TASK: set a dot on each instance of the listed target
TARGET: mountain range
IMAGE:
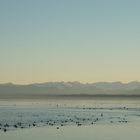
(69, 88)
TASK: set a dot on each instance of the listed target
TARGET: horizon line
(13, 83)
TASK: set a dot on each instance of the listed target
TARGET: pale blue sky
(68, 40)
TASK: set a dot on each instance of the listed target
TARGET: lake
(58, 119)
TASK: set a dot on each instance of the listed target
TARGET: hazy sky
(69, 40)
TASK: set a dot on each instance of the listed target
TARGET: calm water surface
(70, 119)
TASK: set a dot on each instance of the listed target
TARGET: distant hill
(69, 88)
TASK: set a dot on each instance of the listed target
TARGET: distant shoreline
(76, 96)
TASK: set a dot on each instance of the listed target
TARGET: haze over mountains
(69, 88)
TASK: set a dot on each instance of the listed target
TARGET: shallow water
(60, 119)
(97, 132)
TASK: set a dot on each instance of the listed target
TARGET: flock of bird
(59, 123)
